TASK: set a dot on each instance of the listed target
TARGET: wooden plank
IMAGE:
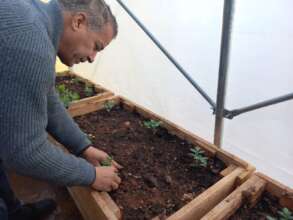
(90, 208)
(93, 105)
(228, 170)
(246, 174)
(208, 199)
(284, 193)
(111, 204)
(250, 191)
(85, 101)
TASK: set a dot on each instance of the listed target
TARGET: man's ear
(79, 21)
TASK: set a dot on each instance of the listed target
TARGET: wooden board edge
(208, 199)
(86, 101)
(284, 193)
(94, 105)
(252, 188)
(87, 205)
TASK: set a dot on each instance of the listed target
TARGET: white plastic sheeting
(261, 68)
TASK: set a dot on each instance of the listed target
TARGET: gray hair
(99, 13)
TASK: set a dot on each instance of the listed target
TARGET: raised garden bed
(259, 198)
(74, 89)
(151, 187)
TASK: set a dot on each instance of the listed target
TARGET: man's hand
(107, 179)
(96, 156)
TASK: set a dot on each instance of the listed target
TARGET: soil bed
(158, 178)
(74, 84)
(267, 206)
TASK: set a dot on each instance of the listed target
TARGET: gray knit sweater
(29, 107)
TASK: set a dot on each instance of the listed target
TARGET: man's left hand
(96, 156)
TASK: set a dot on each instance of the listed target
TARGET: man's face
(79, 43)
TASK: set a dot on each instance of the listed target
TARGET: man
(31, 34)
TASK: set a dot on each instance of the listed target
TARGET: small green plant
(152, 124)
(107, 162)
(66, 95)
(75, 80)
(88, 90)
(109, 105)
(284, 214)
(200, 160)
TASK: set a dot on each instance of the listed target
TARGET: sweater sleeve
(63, 128)
(26, 77)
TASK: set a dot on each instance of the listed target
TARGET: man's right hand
(107, 179)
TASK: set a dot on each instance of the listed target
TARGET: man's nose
(91, 58)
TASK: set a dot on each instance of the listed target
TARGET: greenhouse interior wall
(260, 68)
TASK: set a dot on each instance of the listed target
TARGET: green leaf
(107, 162)
(109, 105)
(152, 124)
(270, 218)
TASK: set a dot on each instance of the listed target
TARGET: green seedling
(109, 105)
(200, 160)
(107, 162)
(152, 124)
(75, 80)
(88, 90)
(284, 214)
(66, 95)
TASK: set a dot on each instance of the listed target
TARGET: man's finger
(115, 164)
(117, 179)
(114, 186)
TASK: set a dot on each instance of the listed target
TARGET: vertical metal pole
(223, 68)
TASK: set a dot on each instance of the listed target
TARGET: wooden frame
(106, 93)
(251, 191)
(103, 207)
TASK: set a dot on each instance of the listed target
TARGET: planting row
(73, 88)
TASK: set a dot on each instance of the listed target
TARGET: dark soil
(157, 178)
(75, 85)
(267, 206)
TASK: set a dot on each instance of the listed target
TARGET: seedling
(66, 95)
(88, 90)
(200, 160)
(75, 80)
(152, 124)
(107, 162)
(284, 214)
(109, 105)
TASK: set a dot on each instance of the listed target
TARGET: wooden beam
(86, 101)
(208, 199)
(93, 105)
(228, 170)
(284, 193)
(250, 191)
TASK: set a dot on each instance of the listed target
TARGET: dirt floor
(158, 177)
(267, 206)
(29, 190)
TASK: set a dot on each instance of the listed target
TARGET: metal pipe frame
(219, 107)
(223, 69)
(231, 114)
